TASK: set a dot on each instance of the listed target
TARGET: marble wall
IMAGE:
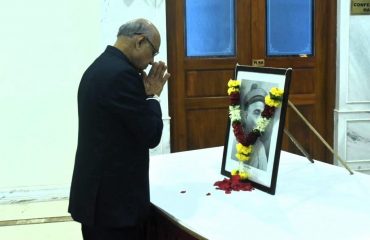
(352, 113)
(353, 139)
(359, 59)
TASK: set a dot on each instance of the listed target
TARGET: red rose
(268, 111)
(239, 133)
(252, 138)
(234, 98)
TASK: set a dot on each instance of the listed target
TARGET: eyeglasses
(154, 50)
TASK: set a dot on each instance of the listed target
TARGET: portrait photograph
(255, 85)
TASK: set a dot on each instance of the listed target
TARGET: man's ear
(139, 41)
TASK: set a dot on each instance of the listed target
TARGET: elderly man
(252, 106)
(119, 120)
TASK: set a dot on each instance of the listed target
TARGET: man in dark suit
(119, 120)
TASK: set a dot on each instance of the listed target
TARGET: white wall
(45, 47)
(116, 12)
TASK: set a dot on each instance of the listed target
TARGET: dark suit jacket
(117, 126)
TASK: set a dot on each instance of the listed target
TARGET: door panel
(212, 83)
(201, 133)
(197, 89)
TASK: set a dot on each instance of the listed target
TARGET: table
(312, 200)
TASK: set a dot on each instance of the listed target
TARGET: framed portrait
(255, 83)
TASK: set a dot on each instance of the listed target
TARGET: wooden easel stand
(319, 136)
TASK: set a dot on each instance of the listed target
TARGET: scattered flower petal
(233, 184)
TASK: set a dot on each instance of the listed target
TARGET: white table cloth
(312, 201)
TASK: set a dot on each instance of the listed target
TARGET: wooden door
(197, 89)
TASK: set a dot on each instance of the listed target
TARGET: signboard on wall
(360, 7)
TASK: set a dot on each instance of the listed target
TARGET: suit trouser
(106, 233)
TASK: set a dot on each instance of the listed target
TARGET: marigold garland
(244, 147)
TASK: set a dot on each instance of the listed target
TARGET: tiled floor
(47, 231)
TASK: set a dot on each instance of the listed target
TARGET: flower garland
(246, 141)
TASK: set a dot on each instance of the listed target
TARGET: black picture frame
(263, 178)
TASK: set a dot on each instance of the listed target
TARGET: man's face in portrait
(252, 106)
(251, 114)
